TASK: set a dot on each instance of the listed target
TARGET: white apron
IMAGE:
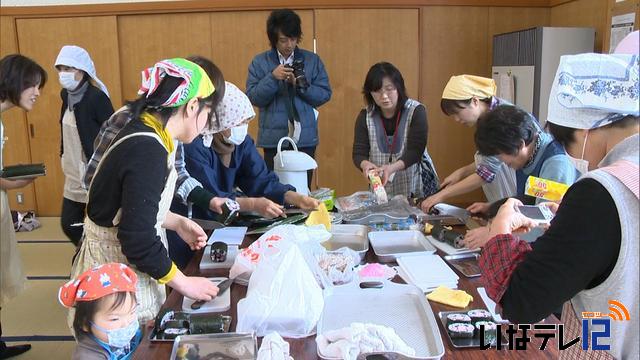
(100, 245)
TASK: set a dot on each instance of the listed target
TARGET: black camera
(298, 72)
(230, 211)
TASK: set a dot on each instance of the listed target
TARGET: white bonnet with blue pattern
(593, 90)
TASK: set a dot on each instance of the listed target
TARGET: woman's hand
(389, 169)
(7, 184)
(366, 166)
(481, 208)
(476, 238)
(197, 288)
(215, 204)
(192, 234)
(509, 220)
(429, 202)
(455, 177)
(267, 208)
(301, 201)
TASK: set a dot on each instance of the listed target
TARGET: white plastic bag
(283, 295)
(308, 239)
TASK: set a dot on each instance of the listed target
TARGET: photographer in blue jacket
(287, 84)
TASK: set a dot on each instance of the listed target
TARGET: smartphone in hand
(539, 213)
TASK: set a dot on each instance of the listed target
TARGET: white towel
(347, 343)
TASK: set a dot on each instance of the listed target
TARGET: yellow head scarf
(465, 87)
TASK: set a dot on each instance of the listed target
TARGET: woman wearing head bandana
(130, 193)
(227, 160)
(84, 109)
(466, 98)
(589, 255)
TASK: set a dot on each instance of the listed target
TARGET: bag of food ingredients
(283, 294)
(337, 266)
(308, 239)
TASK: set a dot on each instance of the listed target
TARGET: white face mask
(68, 80)
(581, 164)
(238, 134)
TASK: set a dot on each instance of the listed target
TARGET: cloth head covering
(235, 109)
(195, 84)
(629, 45)
(465, 87)
(594, 90)
(97, 282)
(77, 57)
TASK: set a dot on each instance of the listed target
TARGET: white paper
(621, 26)
(233, 235)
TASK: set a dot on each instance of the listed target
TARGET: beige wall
(427, 43)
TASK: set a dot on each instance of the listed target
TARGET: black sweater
(416, 137)
(578, 252)
(132, 178)
(93, 109)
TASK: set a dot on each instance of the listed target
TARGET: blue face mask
(119, 340)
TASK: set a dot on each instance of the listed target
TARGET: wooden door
(41, 39)
(239, 36)
(349, 42)
(16, 148)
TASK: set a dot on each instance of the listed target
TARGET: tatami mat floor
(36, 316)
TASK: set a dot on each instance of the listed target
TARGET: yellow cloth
(465, 87)
(157, 126)
(455, 298)
(319, 216)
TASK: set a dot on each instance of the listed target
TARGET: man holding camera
(287, 84)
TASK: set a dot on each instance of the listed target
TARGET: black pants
(269, 153)
(72, 213)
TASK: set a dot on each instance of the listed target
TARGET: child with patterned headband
(105, 323)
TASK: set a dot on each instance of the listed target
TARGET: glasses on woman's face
(387, 90)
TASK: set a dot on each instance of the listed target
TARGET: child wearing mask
(105, 323)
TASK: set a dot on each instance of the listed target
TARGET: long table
(306, 348)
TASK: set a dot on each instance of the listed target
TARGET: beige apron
(100, 245)
(12, 279)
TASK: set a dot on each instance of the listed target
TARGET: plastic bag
(25, 221)
(283, 295)
(307, 237)
(338, 265)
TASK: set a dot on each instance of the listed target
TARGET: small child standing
(105, 323)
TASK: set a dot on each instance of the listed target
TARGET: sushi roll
(460, 330)
(479, 315)
(490, 331)
(458, 318)
(172, 333)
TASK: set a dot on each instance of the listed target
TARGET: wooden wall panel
(507, 19)
(16, 148)
(42, 39)
(615, 8)
(349, 42)
(234, 56)
(454, 41)
(583, 13)
(146, 39)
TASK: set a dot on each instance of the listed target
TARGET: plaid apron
(100, 245)
(406, 182)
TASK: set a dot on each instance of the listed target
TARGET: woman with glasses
(390, 136)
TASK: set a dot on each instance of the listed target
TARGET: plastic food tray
(448, 249)
(466, 264)
(352, 236)
(464, 342)
(391, 306)
(389, 245)
(215, 346)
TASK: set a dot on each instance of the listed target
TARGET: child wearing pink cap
(105, 323)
